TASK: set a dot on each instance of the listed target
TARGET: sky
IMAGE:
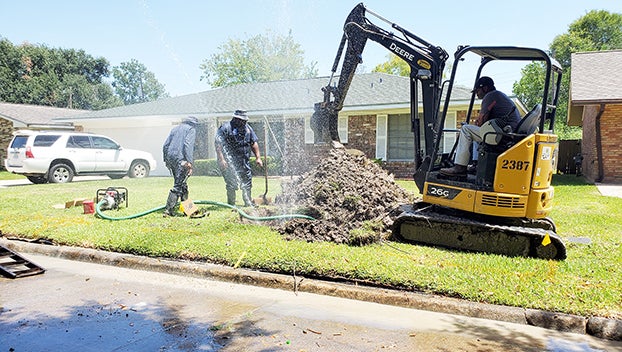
(172, 38)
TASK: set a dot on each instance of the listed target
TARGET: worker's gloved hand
(187, 166)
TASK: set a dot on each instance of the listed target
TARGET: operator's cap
(483, 81)
(240, 114)
(191, 120)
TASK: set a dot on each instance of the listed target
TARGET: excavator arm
(426, 64)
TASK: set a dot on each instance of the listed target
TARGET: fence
(568, 154)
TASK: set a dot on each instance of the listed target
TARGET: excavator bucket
(324, 123)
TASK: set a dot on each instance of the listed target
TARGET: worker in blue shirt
(178, 153)
(235, 140)
(495, 106)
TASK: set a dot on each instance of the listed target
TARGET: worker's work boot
(171, 202)
(472, 168)
(456, 170)
(246, 195)
(185, 193)
(231, 197)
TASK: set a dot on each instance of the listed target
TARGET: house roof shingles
(34, 114)
(288, 96)
(285, 97)
(595, 77)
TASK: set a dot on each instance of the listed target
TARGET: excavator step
(13, 265)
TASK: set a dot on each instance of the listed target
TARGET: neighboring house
(596, 104)
(375, 119)
(20, 116)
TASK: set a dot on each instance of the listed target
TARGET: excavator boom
(426, 61)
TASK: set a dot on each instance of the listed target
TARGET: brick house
(596, 105)
(375, 119)
(20, 116)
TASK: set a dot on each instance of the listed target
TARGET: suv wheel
(60, 173)
(139, 169)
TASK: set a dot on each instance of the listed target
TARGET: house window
(401, 143)
(271, 132)
(400, 138)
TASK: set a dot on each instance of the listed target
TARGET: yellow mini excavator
(502, 207)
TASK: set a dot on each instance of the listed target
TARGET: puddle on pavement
(560, 345)
(112, 327)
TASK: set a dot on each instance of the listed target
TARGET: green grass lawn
(4, 175)
(586, 283)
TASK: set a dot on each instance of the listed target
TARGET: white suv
(51, 156)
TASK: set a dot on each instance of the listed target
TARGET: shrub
(274, 165)
(206, 167)
(209, 167)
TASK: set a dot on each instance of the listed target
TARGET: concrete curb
(596, 326)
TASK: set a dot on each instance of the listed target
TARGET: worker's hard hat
(240, 114)
(191, 120)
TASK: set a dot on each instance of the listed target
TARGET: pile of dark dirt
(353, 199)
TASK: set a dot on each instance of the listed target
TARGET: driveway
(25, 182)
(610, 190)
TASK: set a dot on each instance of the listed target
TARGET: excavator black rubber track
(435, 225)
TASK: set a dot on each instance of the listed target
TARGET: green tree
(134, 84)
(394, 66)
(397, 66)
(78, 92)
(10, 71)
(68, 78)
(597, 30)
(529, 88)
(261, 58)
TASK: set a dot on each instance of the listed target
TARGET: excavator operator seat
(489, 152)
(529, 123)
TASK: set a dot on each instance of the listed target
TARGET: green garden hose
(210, 202)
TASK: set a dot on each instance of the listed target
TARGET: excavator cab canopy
(489, 54)
(507, 53)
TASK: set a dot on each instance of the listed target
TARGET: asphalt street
(82, 306)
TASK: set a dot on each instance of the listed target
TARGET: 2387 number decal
(515, 165)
